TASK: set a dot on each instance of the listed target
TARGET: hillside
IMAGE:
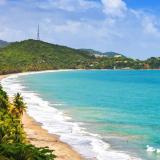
(112, 54)
(32, 55)
(3, 43)
(101, 54)
(91, 51)
(153, 62)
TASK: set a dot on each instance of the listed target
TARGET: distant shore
(41, 138)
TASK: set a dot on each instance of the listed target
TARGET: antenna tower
(38, 33)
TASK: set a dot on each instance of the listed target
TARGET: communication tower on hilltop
(38, 33)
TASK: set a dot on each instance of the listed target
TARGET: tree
(3, 93)
(3, 102)
(25, 152)
(19, 104)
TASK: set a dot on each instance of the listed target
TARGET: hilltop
(33, 55)
(113, 54)
(91, 51)
(102, 54)
(3, 43)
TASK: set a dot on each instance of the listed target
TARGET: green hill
(33, 55)
(153, 62)
(91, 51)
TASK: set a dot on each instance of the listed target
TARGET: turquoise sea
(103, 114)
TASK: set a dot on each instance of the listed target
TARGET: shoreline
(40, 137)
(63, 149)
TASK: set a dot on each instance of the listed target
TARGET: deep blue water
(122, 106)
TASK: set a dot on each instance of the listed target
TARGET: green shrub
(25, 152)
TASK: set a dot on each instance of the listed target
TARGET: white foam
(152, 149)
(89, 145)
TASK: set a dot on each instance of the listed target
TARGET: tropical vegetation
(13, 142)
(33, 55)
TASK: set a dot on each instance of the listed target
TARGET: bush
(25, 152)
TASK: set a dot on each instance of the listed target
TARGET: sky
(130, 27)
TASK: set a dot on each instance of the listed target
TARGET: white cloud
(63, 4)
(69, 26)
(67, 5)
(92, 25)
(88, 4)
(151, 26)
(13, 34)
(114, 7)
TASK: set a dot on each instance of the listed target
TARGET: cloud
(60, 4)
(106, 25)
(151, 26)
(114, 8)
(13, 34)
(67, 5)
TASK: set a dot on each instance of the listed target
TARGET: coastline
(40, 137)
(63, 148)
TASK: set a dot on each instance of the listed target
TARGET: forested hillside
(33, 55)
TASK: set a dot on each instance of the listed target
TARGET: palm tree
(19, 103)
(3, 93)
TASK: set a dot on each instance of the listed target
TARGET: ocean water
(103, 114)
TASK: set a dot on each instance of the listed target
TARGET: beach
(39, 137)
(58, 119)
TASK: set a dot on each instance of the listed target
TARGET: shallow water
(102, 114)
